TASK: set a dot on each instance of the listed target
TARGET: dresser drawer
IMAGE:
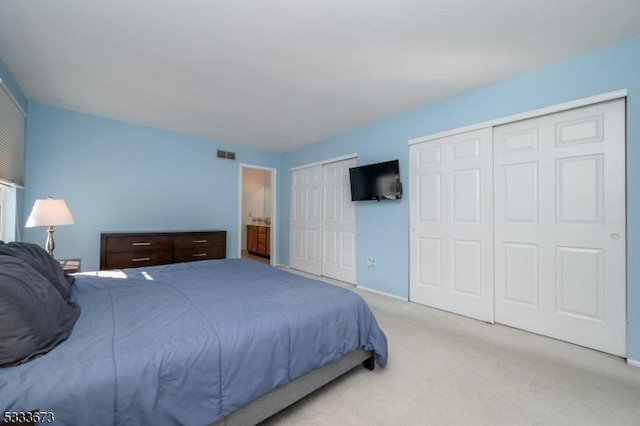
(137, 259)
(133, 249)
(198, 240)
(137, 243)
(202, 253)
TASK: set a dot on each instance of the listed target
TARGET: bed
(211, 342)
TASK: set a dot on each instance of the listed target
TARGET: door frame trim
(274, 218)
(576, 103)
(323, 162)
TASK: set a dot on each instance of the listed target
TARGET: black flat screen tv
(379, 181)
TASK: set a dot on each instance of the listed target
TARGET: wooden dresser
(132, 249)
(259, 240)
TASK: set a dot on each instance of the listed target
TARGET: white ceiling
(281, 74)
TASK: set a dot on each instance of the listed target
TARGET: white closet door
(306, 219)
(451, 242)
(339, 223)
(560, 226)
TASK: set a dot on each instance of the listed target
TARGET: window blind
(1, 213)
(12, 120)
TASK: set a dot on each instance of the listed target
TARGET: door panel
(451, 243)
(579, 189)
(521, 273)
(521, 192)
(339, 225)
(466, 267)
(560, 247)
(306, 219)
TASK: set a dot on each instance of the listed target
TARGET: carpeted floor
(445, 369)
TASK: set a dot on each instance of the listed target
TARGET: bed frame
(280, 398)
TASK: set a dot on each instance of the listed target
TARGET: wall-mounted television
(379, 181)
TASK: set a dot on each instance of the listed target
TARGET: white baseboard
(633, 362)
(393, 296)
(280, 265)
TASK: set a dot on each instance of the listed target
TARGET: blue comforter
(188, 343)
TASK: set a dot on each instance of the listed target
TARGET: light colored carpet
(445, 369)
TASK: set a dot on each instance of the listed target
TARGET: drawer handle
(141, 244)
(140, 259)
(199, 254)
(199, 241)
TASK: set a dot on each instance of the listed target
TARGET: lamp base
(50, 245)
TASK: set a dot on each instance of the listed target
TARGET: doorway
(257, 214)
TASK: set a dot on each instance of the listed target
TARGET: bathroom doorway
(257, 214)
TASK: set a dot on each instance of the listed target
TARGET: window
(9, 230)
(12, 129)
(12, 120)
(1, 212)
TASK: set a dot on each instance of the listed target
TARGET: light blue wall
(117, 176)
(383, 227)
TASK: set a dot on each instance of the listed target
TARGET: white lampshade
(49, 212)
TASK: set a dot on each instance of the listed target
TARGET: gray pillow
(34, 318)
(41, 261)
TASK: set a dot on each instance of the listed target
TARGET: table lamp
(49, 212)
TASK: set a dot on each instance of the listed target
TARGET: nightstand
(70, 266)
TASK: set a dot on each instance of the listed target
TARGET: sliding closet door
(560, 226)
(338, 222)
(306, 219)
(451, 241)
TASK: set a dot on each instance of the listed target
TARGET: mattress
(189, 343)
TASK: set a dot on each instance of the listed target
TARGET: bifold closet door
(338, 222)
(451, 223)
(560, 226)
(323, 224)
(306, 219)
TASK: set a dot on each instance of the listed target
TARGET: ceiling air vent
(228, 155)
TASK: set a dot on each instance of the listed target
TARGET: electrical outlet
(371, 262)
